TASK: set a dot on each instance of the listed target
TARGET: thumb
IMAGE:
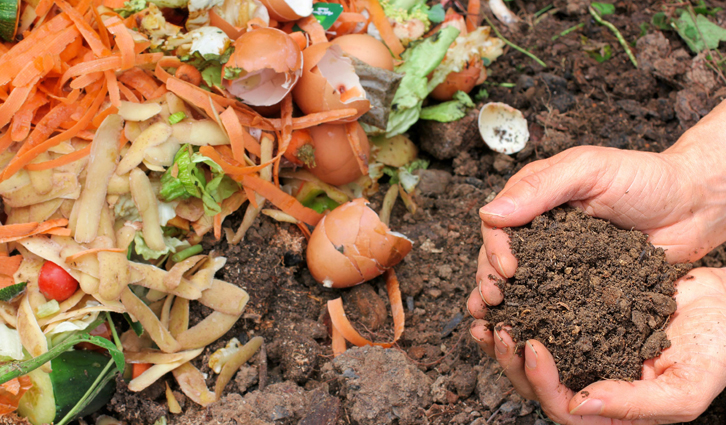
(667, 398)
(540, 191)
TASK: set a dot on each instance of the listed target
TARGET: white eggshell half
(503, 128)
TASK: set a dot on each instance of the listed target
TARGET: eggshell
(503, 128)
(335, 162)
(288, 10)
(367, 49)
(269, 56)
(464, 80)
(351, 245)
(315, 93)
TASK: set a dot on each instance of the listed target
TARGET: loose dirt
(575, 101)
(596, 296)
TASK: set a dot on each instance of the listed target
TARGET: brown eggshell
(313, 93)
(281, 11)
(335, 162)
(265, 48)
(365, 242)
(328, 264)
(464, 80)
(367, 49)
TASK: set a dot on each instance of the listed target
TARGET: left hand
(677, 386)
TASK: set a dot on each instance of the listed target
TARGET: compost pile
(598, 297)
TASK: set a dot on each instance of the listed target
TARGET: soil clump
(598, 297)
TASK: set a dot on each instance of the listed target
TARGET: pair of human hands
(678, 198)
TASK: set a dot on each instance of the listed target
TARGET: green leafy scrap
(9, 292)
(691, 32)
(437, 13)
(131, 7)
(231, 73)
(604, 8)
(210, 66)
(452, 110)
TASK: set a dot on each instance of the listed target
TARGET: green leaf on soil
(604, 8)
(691, 32)
(661, 21)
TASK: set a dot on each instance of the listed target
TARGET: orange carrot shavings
(11, 392)
(281, 199)
(14, 232)
(351, 130)
(77, 255)
(236, 134)
(286, 119)
(338, 345)
(311, 120)
(124, 41)
(380, 20)
(9, 265)
(88, 33)
(138, 80)
(342, 324)
(472, 15)
(13, 104)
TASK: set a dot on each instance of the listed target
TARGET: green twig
(617, 33)
(101, 381)
(116, 339)
(514, 46)
(567, 31)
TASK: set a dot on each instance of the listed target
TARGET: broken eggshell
(288, 10)
(335, 162)
(264, 67)
(367, 49)
(503, 128)
(351, 245)
(329, 82)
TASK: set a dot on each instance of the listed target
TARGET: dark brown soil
(575, 101)
(596, 296)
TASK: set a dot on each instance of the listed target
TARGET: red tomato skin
(55, 283)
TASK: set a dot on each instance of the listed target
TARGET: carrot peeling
(281, 200)
(311, 26)
(77, 255)
(342, 324)
(472, 15)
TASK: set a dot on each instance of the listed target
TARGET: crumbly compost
(598, 297)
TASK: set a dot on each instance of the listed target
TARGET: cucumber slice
(38, 404)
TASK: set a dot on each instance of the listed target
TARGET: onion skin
(351, 245)
(464, 80)
(334, 158)
(367, 49)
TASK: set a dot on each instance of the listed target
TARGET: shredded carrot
(34, 70)
(235, 132)
(193, 95)
(127, 92)
(352, 129)
(77, 255)
(13, 104)
(60, 161)
(472, 15)
(311, 120)
(86, 80)
(14, 232)
(139, 368)
(138, 80)
(102, 30)
(9, 265)
(43, 7)
(311, 26)
(124, 41)
(114, 93)
(342, 324)
(5, 141)
(88, 33)
(22, 119)
(338, 345)
(98, 119)
(218, 226)
(251, 197)
(304, 229)
(284, 141)
(380, 20)
(232, 32)
(281, 200)
(300, 39)
(6, 281)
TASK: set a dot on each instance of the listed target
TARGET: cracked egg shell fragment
(503, 128)
(265, 66)
(329, 82)
(351, 245)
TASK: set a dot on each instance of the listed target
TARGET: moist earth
(574, 101)
(596, 296)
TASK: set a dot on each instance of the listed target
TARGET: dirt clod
(596, 296)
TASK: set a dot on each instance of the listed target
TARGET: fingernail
(530, 360)
(477, 324)
(501, 346)
(589, 407)
(482, 295)
(499, 207)
(497, 263)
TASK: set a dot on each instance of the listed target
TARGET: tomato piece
(140, 368)
(55, 283)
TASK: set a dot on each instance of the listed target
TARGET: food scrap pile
(130, 130)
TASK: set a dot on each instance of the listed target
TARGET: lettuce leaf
(419, 60)
(10, 346)
(173, 245)
(186, 179)
(449, 111)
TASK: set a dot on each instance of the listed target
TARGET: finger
(499, 253)
(487, 277)
(668, 398)
(481, 332)
(554, 397)
(539, 192)
(513, 364)
(475, 305)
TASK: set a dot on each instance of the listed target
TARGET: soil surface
(436, 374)
(596, 296)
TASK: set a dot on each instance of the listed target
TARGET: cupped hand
(676, 386)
